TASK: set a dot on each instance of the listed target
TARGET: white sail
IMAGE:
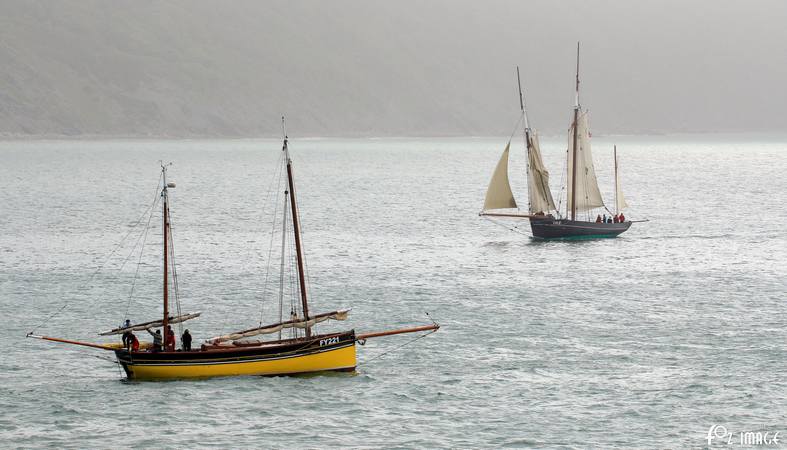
(538, 182)
(498, 194)
(276, 327)
(620, 199)
(588, 195)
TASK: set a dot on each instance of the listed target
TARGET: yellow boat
(332, 352)
(234, 354)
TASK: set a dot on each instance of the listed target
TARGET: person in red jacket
(169, 339)
(622, 218)
(134, 343)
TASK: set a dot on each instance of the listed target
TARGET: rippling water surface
(642, 341)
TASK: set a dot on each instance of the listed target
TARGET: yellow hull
(342, 358)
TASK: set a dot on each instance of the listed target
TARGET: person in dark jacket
(186, 341)
(127, 338)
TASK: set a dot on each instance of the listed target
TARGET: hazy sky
(375, 68)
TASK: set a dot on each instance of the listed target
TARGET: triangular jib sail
(587, 193)
(538, 182)
(498, 194)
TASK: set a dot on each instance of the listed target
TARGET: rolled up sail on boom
(151, 324)
(276, 327)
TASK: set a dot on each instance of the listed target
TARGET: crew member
(127, 339)
(186, 341)
(134, 343)
(156, 340)
(169, 342)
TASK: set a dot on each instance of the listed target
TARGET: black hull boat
(550, 228)
(583, 197)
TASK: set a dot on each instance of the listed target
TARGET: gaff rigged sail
(587, 193)
(538, 179)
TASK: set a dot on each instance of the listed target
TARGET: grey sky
(374, 68)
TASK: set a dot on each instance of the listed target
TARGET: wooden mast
(297, 231)
(527, 138)
(574, 150)
(166, 252)
(615, 155)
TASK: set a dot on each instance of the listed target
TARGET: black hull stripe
(235, 360)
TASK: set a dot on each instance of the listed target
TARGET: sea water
(647, 340)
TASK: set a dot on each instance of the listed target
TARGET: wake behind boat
(583, 195)
(236, 353)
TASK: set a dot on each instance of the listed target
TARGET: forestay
(276, 327)
(588, 195)
(498, 194)
(538, 182)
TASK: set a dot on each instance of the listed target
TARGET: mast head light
(170, 185)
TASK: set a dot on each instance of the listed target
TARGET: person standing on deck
(127, 339)
(156, 340)
(169, 341)
(186, 341)
(134, 343)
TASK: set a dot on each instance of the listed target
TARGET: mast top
(576, 96)
(284, 133)
(521, 99)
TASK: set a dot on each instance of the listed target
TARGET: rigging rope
(272, 234)
(139, 261)
(171, 249)
(515, 229)
(104, 263)
(397, 347)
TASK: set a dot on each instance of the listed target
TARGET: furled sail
(588, 195)
(620, 199)
(276, 327)
(498, 194)
(151, 324)
(538, 182)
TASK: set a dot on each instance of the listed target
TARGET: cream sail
(498, 194)
(547, 221)
(587, 193)
(620, 199)
(539, 194)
